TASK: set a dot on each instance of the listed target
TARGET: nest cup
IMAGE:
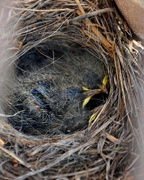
(92, 39)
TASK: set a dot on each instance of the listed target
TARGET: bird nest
(103, 147)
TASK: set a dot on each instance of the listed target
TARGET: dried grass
(107, 148)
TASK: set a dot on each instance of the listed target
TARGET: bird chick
(49, 97)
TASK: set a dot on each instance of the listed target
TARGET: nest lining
(101, 150)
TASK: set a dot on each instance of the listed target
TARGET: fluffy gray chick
(50, 97)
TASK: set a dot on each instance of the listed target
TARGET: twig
(15, 157)
(8, 116)
(42, 10)
(94, 13)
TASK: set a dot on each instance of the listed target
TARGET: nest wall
(105, 148)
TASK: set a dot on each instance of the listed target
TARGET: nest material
(103, 149)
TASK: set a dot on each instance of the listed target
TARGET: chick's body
(51, 97)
